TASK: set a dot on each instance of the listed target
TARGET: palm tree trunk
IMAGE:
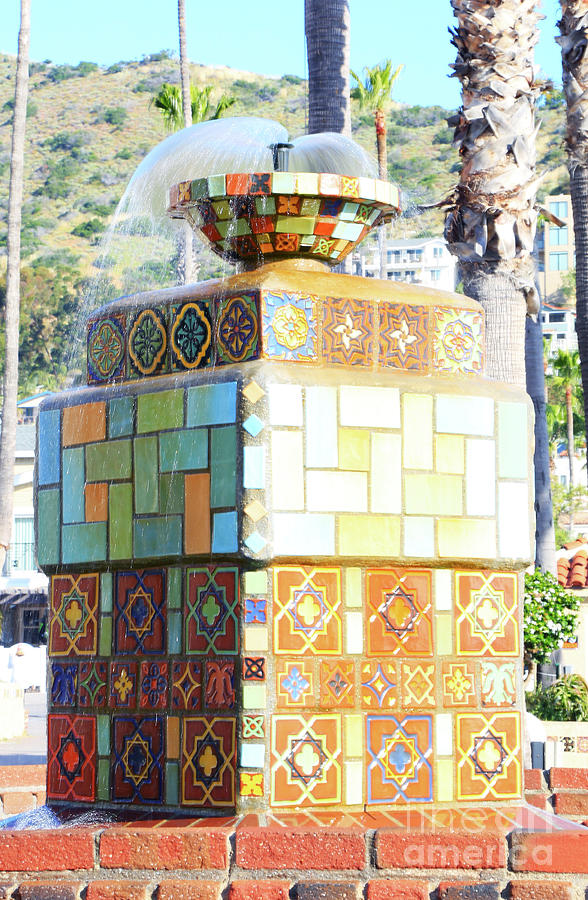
(187, 109)
(326, 26)
(380, 122)
(12, 310)
(570, 424)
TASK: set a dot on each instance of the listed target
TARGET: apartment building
(559, 326)
(425, 261)
(554, 246)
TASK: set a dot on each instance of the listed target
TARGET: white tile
(419, 536)
(443, 599)
(370, 407)
(480, 477)
(252, 755)
(514, 539)
(285, 404)
(354, 632)
(287, 472)
(353, 782)
(321, 427)
(444, 734)
(465, 415)
(309, 534)
(254, 467)
(336, 491)
(386, 481)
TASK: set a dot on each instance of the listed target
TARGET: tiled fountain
(285, 524)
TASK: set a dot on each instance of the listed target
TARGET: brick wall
(22, 788)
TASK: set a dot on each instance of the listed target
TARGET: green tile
(237, 227)
(106, 592)
(83, 543)
(161, 536)
(120, 417)
(296, 224)
(310, 206)
(223, 466)
(265, 206)
(104, 779)
(186, 449)
(74, 479)
(222, 209)
(120, 519)
(103, 729)
(48, 527)
(283, 183)
(199, 189)
(512, 440)
(172, 782)
(108, 461)
(162, 410)
(171, 493)
(146, 481)
(212, 404)
(174, 588)
(256, 582)
(216, 185)
(174, 632)
(105, 642)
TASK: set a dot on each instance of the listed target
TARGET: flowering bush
(550, 616)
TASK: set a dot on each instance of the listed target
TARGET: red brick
(327, 890)
(469, 890)
(119, 890)
(165, 848)
(300, 848)
(452, 850)
(570, 804)
(54, 850)
(22, 776)
(14, 802)
(189, 890)
(558, 851)
(399, 889)
(259, 890)
(541, 801)
(569, 778)
(540, 890)
(533, 780)
(51, 890)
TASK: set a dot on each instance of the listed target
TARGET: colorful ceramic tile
(307, 610)
(289, 325)
(348, 332)
(255, 610)
(64, 680)
(399, 612)
(106, 349)
(251, 784)
(254, 668)
(74, 605)
(400, 759)
(211, 610)
(337, 684)
(253, 726)
(486, 610)
(219, 690)
(123, 685)
(498, 683)
(154, 684)
(209, 756)
(186, 685)
(457, 341)
(306, 760)
(71, 757)
(404, 336)
(489, 756)
(380, 688)
(190, 336)
(418, 684)
(294, 683)
(93, 684)
(458, 684)
(138, 759)
(147, 343)
(237, 329)
(140, 612)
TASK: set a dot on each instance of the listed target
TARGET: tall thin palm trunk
(326, 25)
(12, 310)
(187, 110)
(570, 427)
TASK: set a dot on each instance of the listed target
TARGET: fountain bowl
(265, 216)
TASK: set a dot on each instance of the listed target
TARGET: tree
(326, 26)
(169, 101)
(184, 64)
(11, 312)
(492, 220)
(550, 616)
(374, 94)
(566, 381)
(573, 41)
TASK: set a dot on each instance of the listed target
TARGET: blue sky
(259, 37)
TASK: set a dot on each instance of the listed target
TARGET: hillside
(87, 130)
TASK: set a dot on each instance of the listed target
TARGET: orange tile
(173, 737)
(96, 502)
(237, 184)
(84, 424)
(197, 513)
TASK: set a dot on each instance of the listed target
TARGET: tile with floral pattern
(486, 614)
(348, 332)
(306, 760)
(399, 759)
(489, 756)
(290, 326)
(458, 341)
(399, 612)
(404, 337)
(209, 757)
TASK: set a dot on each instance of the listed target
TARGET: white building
(425, 261)
(559, 326)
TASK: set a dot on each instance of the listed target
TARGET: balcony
(20, 557)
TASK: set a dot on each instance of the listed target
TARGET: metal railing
(20, 557)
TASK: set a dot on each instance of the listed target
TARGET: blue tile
(84, 543)
(254, 467)
(74, 479)
(212, 404)
(224, 532)
(182, 450)
(158, 536)
(49, 446)
(223, 466)
(106, 592)
(255, 542)
(253, 425)
(174, 632)
(120, 417)
(48, 527)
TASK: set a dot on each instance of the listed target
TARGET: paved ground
(30, 749)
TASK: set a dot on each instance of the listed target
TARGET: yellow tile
(444, 636)
(335, 491)
(433, 495)
(354, 449)
(254, 696)
(256, 582)
(255, 638)
(353, 782)
(172, 749)
(353, 632)
(465, 538)
(444, 779)
(369, 536)
(417, 423)
(449, 454)
(353, 735)
(386, 482)
(352, 587)
(287, 470)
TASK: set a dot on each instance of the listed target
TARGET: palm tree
(572, 26)
(170, 102)
(491, 223)
(12, 304)
(326, 26)
(184, 63)
(565, 384)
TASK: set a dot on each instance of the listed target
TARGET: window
(435, 274)
(21, 555)
(557, 317)
(558, 236)
(31, 622)
(558, 262)
(559, 208)
(437, 252)
(561, 337)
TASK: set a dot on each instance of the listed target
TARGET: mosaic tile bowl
(272, 215)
